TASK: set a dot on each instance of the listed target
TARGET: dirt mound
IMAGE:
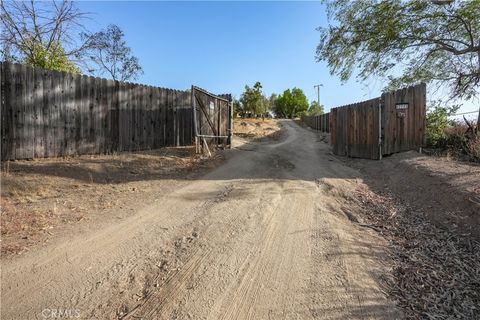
(257, 128)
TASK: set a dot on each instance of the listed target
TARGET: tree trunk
(478, 122)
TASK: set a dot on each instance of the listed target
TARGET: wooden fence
(404, 119)
(354, 129)
(370, 129)
(395, 122)
(320, 122)
(46, 113)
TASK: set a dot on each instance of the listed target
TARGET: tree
(41, 34)
(253, 100)
(300, 102)
(272, 104)
(437, 122)
(54, 59)
(291, 103)
(110, 54)
(281, 104)
(266, 107)
(406, 42)
(315, 109)
(272, 100)
(237, 108)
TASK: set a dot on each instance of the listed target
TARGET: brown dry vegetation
(428, 209)
(435, 270)
(462, 142)
(38, 197)
(458, 141)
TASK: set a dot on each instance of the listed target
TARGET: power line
(459, 114)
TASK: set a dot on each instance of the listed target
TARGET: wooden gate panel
(403, 119)
(211, 117)
(354, 129)
(393, 123)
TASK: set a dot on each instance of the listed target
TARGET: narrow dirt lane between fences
(271, 234)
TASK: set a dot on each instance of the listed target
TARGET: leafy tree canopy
(41, 34)
(315, 109)
(291, 103)
(111, 55)
(420, 40)
(272, 99)
(53, 58)
(253, 100)
(437, 122)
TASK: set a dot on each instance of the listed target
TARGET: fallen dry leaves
(436, 272)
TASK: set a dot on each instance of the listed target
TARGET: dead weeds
(41, 195)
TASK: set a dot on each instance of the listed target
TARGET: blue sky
(221, 46)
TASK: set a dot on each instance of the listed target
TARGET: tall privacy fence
(46, 113)
(394, 122)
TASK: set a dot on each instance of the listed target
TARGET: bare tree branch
(29, 25)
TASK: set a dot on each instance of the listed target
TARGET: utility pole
(317, 86)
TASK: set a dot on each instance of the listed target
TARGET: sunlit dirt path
(268, 235)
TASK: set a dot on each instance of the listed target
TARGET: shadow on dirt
(298, 155)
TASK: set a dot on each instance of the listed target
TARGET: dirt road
(268, 235)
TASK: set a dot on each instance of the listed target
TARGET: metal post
(230, 114)
(194, 110)
(380, 130)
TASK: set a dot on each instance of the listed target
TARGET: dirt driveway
(268, 235)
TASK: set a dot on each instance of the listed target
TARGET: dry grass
(21, 225)
(38, 196)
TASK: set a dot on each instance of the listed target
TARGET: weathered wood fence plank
(47, 113)
(320, 122)
(394, 122)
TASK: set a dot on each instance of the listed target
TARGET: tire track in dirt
(158, 304)
(272, 263)
(265, 236)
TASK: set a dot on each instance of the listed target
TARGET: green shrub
(437, 124)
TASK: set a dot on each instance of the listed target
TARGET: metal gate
(212, 119)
